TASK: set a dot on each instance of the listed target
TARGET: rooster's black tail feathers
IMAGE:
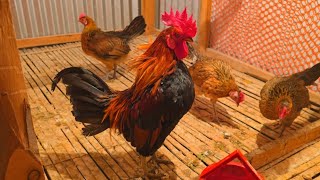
(89, 96)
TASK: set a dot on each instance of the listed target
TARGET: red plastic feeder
(226, 169)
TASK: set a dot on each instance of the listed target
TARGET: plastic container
(228, 169)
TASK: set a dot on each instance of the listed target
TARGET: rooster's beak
(189, 39)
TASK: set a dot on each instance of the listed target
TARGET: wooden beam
(204, 24)
(274, 150)
(48, 40)
(16, 157)
(148, 9)
(252, 70)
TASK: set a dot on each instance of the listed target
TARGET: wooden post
(204, 24)
(148, 9)
(16, 157)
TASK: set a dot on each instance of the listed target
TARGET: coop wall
(36, 18)
(282, 37)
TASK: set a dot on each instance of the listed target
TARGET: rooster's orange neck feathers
(152, 66)
(156, 63)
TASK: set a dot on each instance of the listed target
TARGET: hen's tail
(135, 28)
(310, 75)
(89, 96)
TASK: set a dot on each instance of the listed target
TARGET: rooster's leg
(160, 161)
(146, 172)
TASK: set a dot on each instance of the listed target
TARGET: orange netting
(280, 36)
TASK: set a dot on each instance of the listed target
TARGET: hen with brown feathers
(112, 47)
(213, 78)
(283, 98)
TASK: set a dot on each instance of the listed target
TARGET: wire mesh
(279, 36)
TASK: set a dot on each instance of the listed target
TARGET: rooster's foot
(158, 160)
(150, 173)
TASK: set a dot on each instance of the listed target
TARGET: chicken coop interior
(259, 40)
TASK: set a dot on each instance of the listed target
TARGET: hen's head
(182, 29)
(237, 96)
(84, 19)
(284, 109)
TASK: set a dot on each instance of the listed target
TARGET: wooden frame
(18, 159)
(204, 24)
(47, 40)
(149, 14)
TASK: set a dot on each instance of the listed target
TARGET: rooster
(213, 78)
(110, 47)
(283, 98)
(145, 113)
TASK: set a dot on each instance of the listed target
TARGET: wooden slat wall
(36, 18)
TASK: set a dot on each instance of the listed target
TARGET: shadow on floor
(105, 165)
(202, 109)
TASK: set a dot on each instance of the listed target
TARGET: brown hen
(283, 98)
(110, 47)
(213, 78)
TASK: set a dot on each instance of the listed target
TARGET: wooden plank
(310, 173)
(204, 24)
(52, 172)
(296, 162)
(306, 169)
(279, 147)
(92, 160)
(47, 40)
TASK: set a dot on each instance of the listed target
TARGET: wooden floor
(197, 141)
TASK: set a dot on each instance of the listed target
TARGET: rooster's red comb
(82, 15)
(188, 26)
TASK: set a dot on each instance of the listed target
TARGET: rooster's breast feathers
(149, 119)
